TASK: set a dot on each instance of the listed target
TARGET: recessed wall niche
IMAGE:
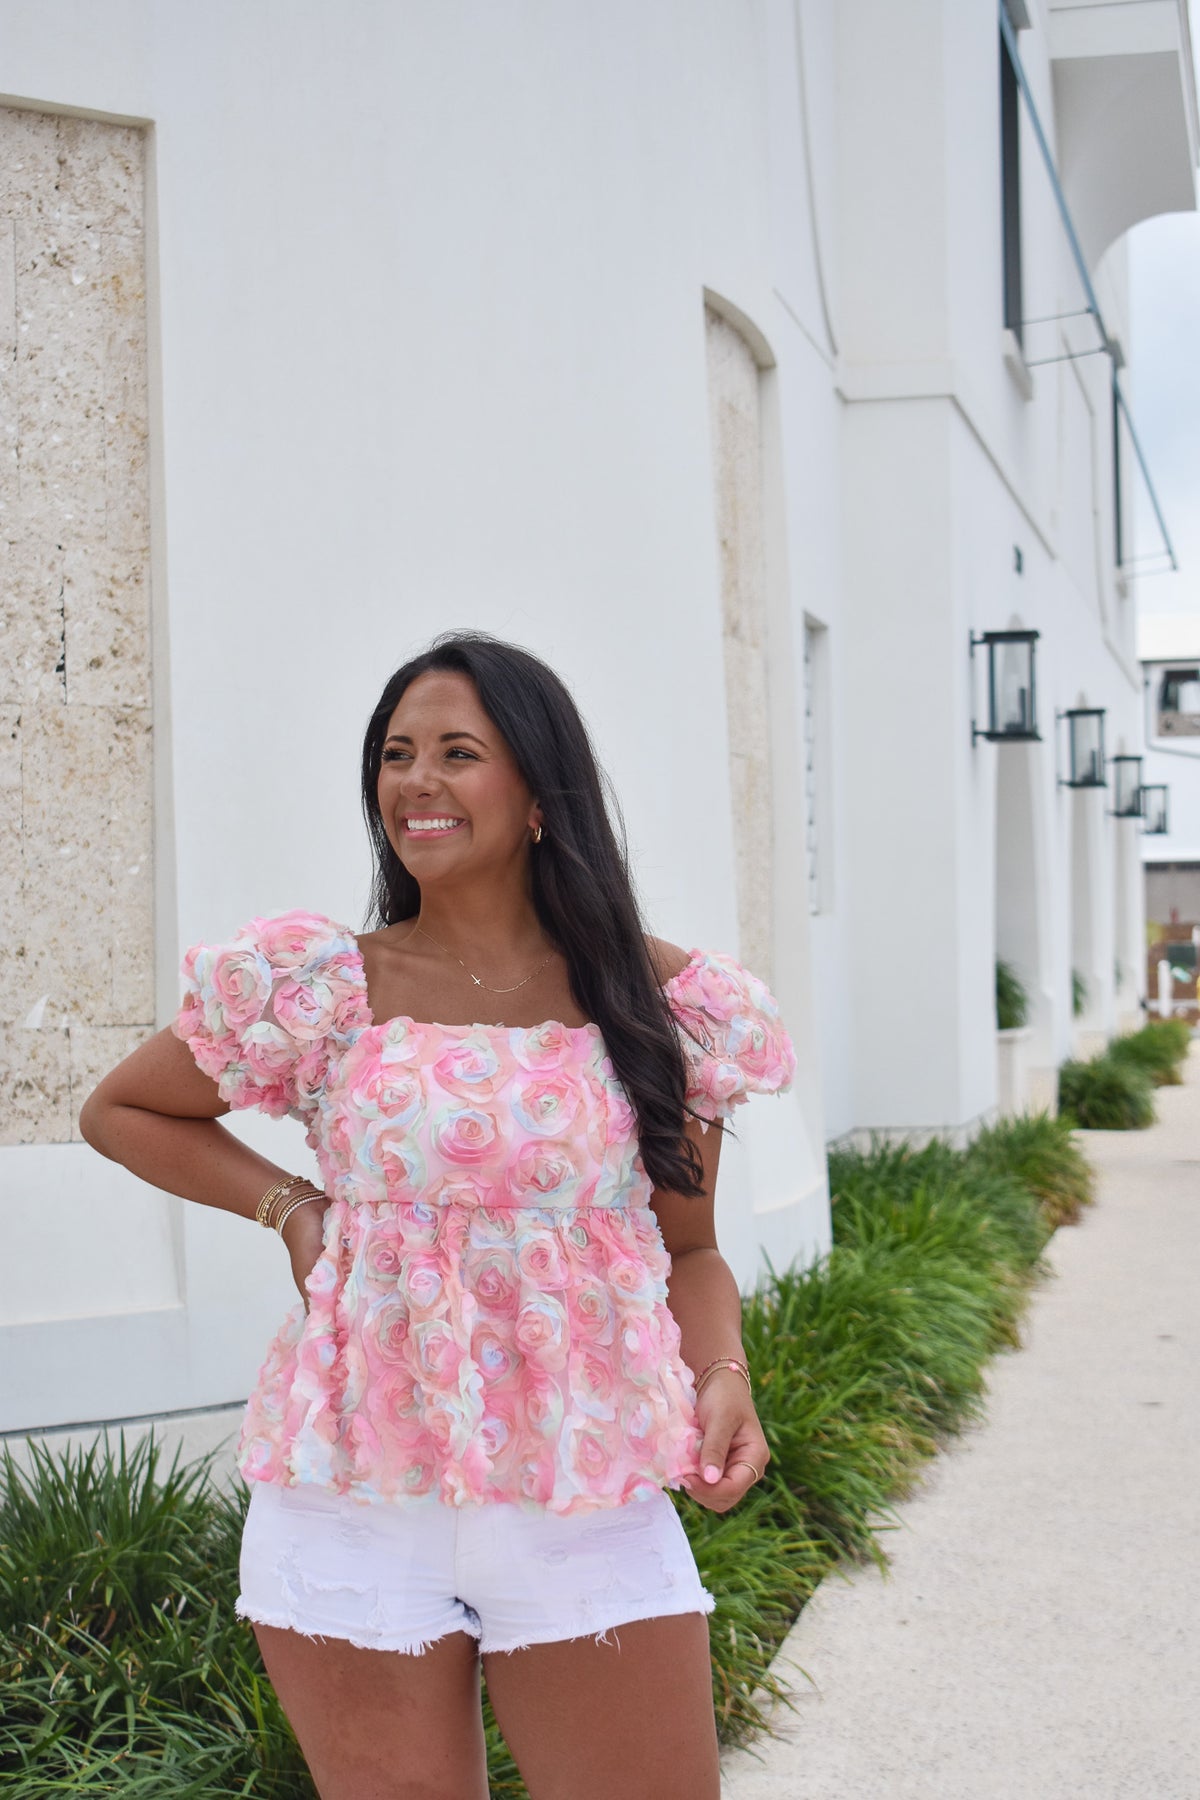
(76, 731)
(735, 411)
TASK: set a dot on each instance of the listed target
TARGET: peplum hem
(469, 1355)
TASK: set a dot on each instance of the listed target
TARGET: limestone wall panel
(106, 620)
(29, 167)
(76, 750)
(10, 837)
(8, 386)
(67, 882)
(35, 1078)
(32, 667)
(130, 852)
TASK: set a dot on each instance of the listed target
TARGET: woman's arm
(707, 1306)
(157, 1114)
(705, 1302)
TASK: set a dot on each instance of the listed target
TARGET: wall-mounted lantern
(1127, 786)
(1154, 809)
(1011, 689)
(1086, 727)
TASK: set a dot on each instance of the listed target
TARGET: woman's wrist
(306, 1223)
(727, 1368)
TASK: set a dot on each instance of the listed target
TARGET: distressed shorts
(397, 1577)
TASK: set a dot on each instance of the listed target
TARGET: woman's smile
(431, 825)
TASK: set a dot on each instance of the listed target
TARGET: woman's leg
(383, 1724)
(323, 1575)
(633, 1717)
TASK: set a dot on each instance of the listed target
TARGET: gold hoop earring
(537, 834)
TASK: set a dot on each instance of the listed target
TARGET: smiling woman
(517, 1331)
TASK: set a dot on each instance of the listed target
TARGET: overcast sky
(1163, 388)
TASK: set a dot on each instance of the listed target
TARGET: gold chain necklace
(475, 978)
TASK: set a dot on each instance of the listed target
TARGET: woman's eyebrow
(400, 737)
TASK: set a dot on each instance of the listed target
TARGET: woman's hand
(304, 1234)
(733, 1437)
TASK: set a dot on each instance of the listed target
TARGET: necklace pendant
(475, 979)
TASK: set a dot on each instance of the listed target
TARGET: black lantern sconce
(1012, 694)
(1127, 787)
(1154, 809)
(1087, 747)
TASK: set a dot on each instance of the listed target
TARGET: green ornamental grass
(1012, 999)
(1040, 1150)
(1109, 1093)
(125, 1672)
(1160, 1049)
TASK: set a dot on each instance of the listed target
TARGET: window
(1179, 703)
(1010, 189)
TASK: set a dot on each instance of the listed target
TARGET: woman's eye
(395, 755)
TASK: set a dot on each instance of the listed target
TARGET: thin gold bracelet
(710, 1372)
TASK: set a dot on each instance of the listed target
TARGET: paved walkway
(1038, 1636)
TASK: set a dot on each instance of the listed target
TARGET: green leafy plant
(1079, 994)
(1159, 1048)
(1105, 1094)
(1012, 999)
(1043, 1153)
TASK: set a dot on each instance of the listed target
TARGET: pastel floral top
(488, 1319)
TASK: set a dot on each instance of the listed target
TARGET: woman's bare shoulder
(668, 959)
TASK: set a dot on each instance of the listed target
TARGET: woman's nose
(419, 779)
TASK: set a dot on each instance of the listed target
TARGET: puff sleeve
(259, 1010)
(743, 1047)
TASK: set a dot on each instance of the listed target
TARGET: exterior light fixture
(1127, 786)
(1011, 689)
(1086, 727)
(1154, 809)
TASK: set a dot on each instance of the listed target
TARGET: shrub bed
(125, 1671)
(1109, 1093)
(1160, 1049)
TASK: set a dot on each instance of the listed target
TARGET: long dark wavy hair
(582, 890)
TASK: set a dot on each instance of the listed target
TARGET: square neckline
(374, 1024)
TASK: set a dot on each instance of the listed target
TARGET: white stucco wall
(427, 349)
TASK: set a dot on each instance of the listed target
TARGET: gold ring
(747, 1465)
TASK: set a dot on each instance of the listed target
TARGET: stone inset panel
(734, 404)
(76, 844)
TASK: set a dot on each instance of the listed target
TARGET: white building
(1170, 656)
(706, 347)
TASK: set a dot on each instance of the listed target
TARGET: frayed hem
(288, 1622)
(706, 1606)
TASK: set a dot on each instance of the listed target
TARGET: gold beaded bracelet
(277, 1199)
(724, 1362)
(278, 1192)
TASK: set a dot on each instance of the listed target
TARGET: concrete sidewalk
(1037, 1636)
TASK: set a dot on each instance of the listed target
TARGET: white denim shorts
(396, 1577)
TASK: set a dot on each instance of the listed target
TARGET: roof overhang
(1125, 113)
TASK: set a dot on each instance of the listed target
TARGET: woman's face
(443, 759)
